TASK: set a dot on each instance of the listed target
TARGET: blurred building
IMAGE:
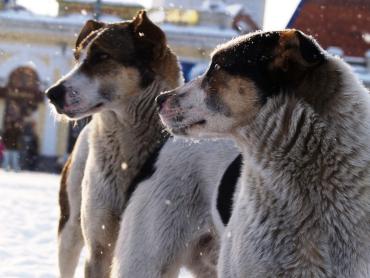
(342, 27)
(35, 51)
(120, 8)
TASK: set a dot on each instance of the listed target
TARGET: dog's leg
(100, 229)
(202, 257)
(70, 240)
(70, 244)
(100, 221)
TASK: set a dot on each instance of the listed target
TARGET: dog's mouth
(177, 122)
(75, 111)
(184, 128)
(200, 122)
(100, 104)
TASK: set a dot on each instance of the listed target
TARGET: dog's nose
(56, 94)
(161, 99)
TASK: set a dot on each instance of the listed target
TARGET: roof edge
(296, 14)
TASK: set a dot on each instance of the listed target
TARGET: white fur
(169, 213)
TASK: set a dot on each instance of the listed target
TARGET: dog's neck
(122, 146)
(291, 132)
(330, 95)
(282, 128)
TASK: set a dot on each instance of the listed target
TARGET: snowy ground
(28, 226)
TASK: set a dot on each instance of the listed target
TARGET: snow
(28, 226)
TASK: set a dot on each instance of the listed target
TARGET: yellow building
(127, 10)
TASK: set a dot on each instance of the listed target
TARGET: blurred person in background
(28, 147)
(2, 148)
(12, 131)
(11, 152)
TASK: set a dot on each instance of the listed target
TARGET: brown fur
(238, 95)
(88, 30)
(63, 196)
(287, 52)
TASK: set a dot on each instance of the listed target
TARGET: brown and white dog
(302, 120)
(126, 163)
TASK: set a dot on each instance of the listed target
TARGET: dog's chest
(308, 219)
(117, 155)
(115, 162)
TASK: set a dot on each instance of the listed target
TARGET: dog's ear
(89, 27)
(296, 50)
(310, 50)
(150, 40)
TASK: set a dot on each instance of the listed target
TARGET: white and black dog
(302, 120)
(164, 190)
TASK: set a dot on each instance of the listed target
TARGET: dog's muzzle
(163, 98)
(56, 95)
(160, 100)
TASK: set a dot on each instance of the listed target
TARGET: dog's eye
(103, 56)
(217, 67)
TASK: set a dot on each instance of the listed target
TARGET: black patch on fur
(118, 44)
(227, 188)
(147, 170)
(309, 48)
(251, 56)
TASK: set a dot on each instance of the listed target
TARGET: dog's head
(114, 63)
(243, 74)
